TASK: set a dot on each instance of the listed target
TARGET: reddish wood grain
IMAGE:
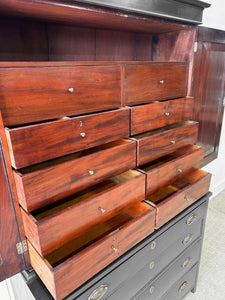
(155, 115)
(79, 268)
(146, 83)
(172, 167)
(166, 140)
(198, 186)
(57, 138)
(48, 182)
(57, 226)
(34, 94)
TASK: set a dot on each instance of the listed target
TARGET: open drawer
(53, 226)
(172, 199)
(66, 268)
(159, 142)
(48, 182)
(169, 168)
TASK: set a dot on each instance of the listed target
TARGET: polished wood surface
(50, 229)
(57, 138)
(45, 183)
(168, 169)
(147, 83)
(173, 199)
(34, 94)
(79, 268)
(156, 115)
(152, 145)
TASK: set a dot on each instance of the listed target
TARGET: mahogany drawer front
(33, 144)
(157, 287)
(154, 144)
(145, 83)
(32, 94)
(43, 184)
(159, 114)
(169, 168)
(149, 263)
(50, 228)
(103, 246)
(171, 200)
(183, 286)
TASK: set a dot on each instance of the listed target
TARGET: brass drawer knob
(191, 219)
(161, 81)
(179, 171)
(71, 90)
(115, 249)
(167, 114)
(99, 292)
(188, 239)
(153, 245)
(82, 134)
(152, 289)
(102, 210)
(151, 265)
(173, 142)
(186, 262)
(183, 286)
(189, 198)
(91, 172)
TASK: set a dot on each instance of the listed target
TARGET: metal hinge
(195, 47)
(21, 247)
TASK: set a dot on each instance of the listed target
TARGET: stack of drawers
(101, 159)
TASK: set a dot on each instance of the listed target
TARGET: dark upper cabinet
(208, 89)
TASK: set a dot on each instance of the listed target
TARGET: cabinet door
(208, 89)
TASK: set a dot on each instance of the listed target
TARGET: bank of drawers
(96, 173)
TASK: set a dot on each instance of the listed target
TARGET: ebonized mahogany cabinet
(97, 138)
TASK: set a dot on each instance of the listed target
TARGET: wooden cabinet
(78, 136)
(208, 89)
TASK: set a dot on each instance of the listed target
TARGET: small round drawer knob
(151, 289)
(161, 81)
(102, 209)
(183, 286)
(167, 114)
(115, 249)
(191, 219)
(98, 293)
(186, 262)
(179, 171)
(91, 172)
(187, 239)
(173, 142)
(71, 90)
(82, 134)
(151, 265)
(153, 245)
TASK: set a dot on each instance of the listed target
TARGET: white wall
(214, 17)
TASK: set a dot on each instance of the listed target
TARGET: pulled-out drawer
(45, 183)
(184, 285)
(159, 114)
(156, 288)
(51, 227)
(169, 168)
(31, 94)
(156, 143)
(172, 199)
(145, 83)
(68, 267)
(29, 145)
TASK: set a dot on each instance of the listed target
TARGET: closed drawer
(183, 286)
(51, 227)
(45, 183)
(169, 168)
(33, 144)
(32, 94)
(159, 114)
(68, 267)
(156, 288)
(145, 83)
(172, 199)
(159, 142)
(148, 262)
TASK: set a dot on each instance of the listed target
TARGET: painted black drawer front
(183, 286)
(147, 263)
(157, 287)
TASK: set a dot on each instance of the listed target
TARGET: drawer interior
(93, 191)
(93, 235)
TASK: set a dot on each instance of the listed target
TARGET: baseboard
(218, 188)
